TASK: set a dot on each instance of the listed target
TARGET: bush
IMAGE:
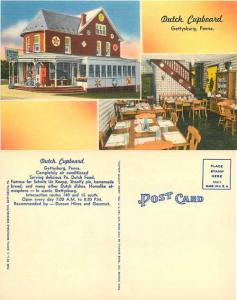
(4, 69)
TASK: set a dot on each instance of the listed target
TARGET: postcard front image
(117, 150)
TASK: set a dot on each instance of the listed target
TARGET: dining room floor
(213, 136)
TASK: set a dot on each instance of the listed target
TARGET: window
(114, 71)
(119, 71)
(109, 71)
(107, 48)
(100, 29)
(36, 43)
(51, 71)
(65, 67)
(129, 71)
(98, 48)
(125, 71)
(82, 70)
(97, 71)
(133, 71)
(91, 71)
(103, 71)
(28, 44)
(68, 45)
(63, 71)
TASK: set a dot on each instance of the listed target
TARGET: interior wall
(167, 85)
(106, 111)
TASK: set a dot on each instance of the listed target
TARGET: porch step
(61, 90)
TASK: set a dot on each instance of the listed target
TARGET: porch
(47, 72)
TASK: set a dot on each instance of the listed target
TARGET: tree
(4, 69)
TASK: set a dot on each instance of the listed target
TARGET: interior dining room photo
(189, 102)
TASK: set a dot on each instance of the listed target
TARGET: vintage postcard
(79, 79)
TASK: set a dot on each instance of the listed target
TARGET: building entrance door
(43, 74)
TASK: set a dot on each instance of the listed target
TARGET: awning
(48, 57)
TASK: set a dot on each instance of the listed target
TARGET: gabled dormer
(96, 25)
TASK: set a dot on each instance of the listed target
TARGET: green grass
(213, 136)
(106, 95)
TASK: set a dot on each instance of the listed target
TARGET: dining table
(186, 102)
(232, 104)
(129, 134)
(131, 112)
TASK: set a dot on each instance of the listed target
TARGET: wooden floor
(214, 137)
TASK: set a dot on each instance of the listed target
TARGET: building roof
(47, 20)
(48, 57)
(90, 15)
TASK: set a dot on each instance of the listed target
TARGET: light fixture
(162, 65)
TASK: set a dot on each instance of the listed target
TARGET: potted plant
(81, 81)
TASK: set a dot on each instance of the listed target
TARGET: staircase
(48, 89)
(176, 71)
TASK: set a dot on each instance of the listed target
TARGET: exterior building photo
(73, 53)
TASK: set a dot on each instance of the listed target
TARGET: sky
(15, 15)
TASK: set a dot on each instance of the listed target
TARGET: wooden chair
(174, 118)
(112, 122)
(230, 119)
(156, 145)
(234, 124)
(195, 108)
(193, 138)
(222, 115)
(179, 108)
(161, 100)
(117, 110)
(161, 103)
(169, 108)
(145, 115)
(101, 140)
(150, 100)
(203, 107)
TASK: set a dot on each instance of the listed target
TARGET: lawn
(106, 95)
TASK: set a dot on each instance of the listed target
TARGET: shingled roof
(47, 20)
